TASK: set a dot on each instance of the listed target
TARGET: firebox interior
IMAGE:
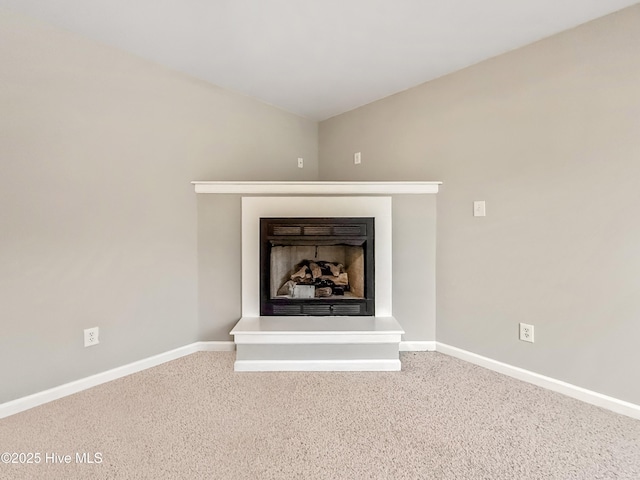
(287, 260)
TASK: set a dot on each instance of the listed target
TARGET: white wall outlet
(357, 158)
(91, 336)
(300, 162)
(479, 209)
(526, 333)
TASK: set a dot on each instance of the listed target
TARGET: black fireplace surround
(317, 266)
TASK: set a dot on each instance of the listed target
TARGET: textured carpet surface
(440, 418)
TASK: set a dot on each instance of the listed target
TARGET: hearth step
(317, 344)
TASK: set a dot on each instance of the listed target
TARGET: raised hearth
(317, 344)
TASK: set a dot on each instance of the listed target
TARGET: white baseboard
(610, 403)
(579, 393)
(418, 346)
(21, 404)
(372, 365)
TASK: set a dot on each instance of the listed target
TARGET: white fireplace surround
(255, 208)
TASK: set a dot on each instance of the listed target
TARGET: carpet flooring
(439, 418)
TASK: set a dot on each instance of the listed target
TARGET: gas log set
(316, 279)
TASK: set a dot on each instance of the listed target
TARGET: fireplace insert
(317, 266)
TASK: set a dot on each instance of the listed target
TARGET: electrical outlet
(526, 333)
(300, 162)
(357, 158)
(91, 336)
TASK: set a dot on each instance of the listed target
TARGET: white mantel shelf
(316, 188)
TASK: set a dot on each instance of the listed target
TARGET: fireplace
(327, 342)
(317, 266)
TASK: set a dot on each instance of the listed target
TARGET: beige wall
(100, 226)
(548, 136)
(414, 265)
(219, 265)
(98, 220)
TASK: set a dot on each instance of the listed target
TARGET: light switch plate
(479, 209)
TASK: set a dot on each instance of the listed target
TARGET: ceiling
(316, 58)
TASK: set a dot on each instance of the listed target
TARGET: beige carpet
(440, 418)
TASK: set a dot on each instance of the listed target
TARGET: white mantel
(316, 188)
